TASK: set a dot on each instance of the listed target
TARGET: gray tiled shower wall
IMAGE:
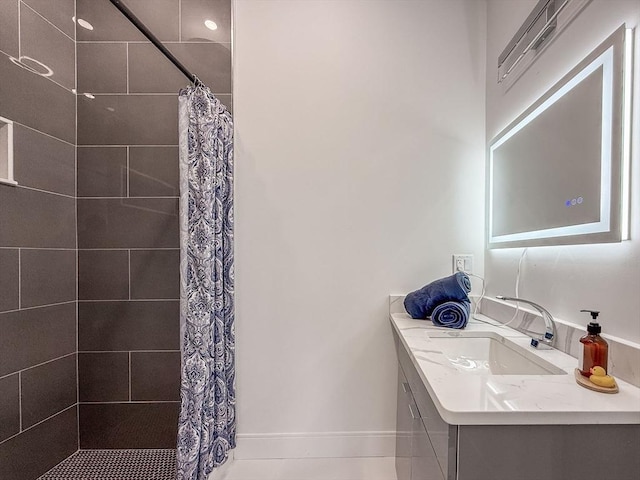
(127, 194)
(89, 334)
(38, 235)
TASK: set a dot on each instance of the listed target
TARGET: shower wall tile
(128, 223)
(128, 120)
(43, 162)
(155, 376)
(38, 298)
(59, 12)
(9, 27)
(35, 219)
(102, 67)
(103, 274)
(133, 325)
(47, 276)
(102, 172)
(104, 377)
(9, 406)
(154, 274)
(30, 454)
(128, 184)
(128, 425)
(195, 12)
(43, 42)
(160, 16)
(9, 288)
(30, 337)
(153, 172)
(36, 101)
(149, 70)
(48, 389)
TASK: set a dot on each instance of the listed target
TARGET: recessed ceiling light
(210, 24)
(83, 23)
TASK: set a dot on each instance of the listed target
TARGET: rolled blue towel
(451, 314)
(420, 304)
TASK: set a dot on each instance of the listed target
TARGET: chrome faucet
(546, 341)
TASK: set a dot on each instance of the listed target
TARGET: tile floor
(363, 468)
(116, 465)
(160, 465)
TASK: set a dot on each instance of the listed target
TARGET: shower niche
(6, 152)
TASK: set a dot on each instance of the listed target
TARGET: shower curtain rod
(153, 39)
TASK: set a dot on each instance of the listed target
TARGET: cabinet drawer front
(443, 436)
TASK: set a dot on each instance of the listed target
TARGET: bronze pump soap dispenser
(595, 350)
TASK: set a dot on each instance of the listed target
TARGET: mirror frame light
(614, 55)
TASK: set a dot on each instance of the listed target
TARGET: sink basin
(490, 354)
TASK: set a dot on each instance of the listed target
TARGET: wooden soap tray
(586, 383)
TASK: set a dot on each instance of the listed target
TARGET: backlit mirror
(557, 174)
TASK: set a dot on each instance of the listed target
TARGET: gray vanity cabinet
(415, 456)
(427, 448)
(404, 428)
(423, 439)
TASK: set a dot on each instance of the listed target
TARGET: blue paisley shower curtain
(207, 427)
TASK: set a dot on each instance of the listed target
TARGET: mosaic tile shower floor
(116, 465)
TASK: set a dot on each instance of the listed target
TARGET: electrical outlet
(462, 262)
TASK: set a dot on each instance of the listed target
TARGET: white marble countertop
(465, 399)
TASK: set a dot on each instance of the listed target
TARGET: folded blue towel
(420, 304)
(451, 314)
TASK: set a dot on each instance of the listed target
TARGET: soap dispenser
(595, 349)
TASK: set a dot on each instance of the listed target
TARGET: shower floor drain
(116, 465)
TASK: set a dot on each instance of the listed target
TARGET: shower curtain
(207, 427)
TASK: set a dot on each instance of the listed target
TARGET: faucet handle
(543, 343)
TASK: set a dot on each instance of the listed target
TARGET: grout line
(7, 375)
(125, 402)
(20, 398)
(127, 48)
(122, 248)
(124, 146)
(129, 376)
(75, 34)
(45, 191)
(37, 365)
(135, 94)
(129, 266)
(19, 279)
(38, 306)
(36, 424)
(47, 20)
(180, 21)
(37, 248)
(125, 198)
(127, 300)
(123, 351)
(128, 173)
(44, 133)
(19, 31)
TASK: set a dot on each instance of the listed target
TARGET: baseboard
(315, 445)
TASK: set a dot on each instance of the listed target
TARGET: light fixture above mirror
(559, 173)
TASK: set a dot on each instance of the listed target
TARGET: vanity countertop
(463, 399)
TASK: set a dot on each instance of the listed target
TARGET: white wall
(360, 166)
(568, 278)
